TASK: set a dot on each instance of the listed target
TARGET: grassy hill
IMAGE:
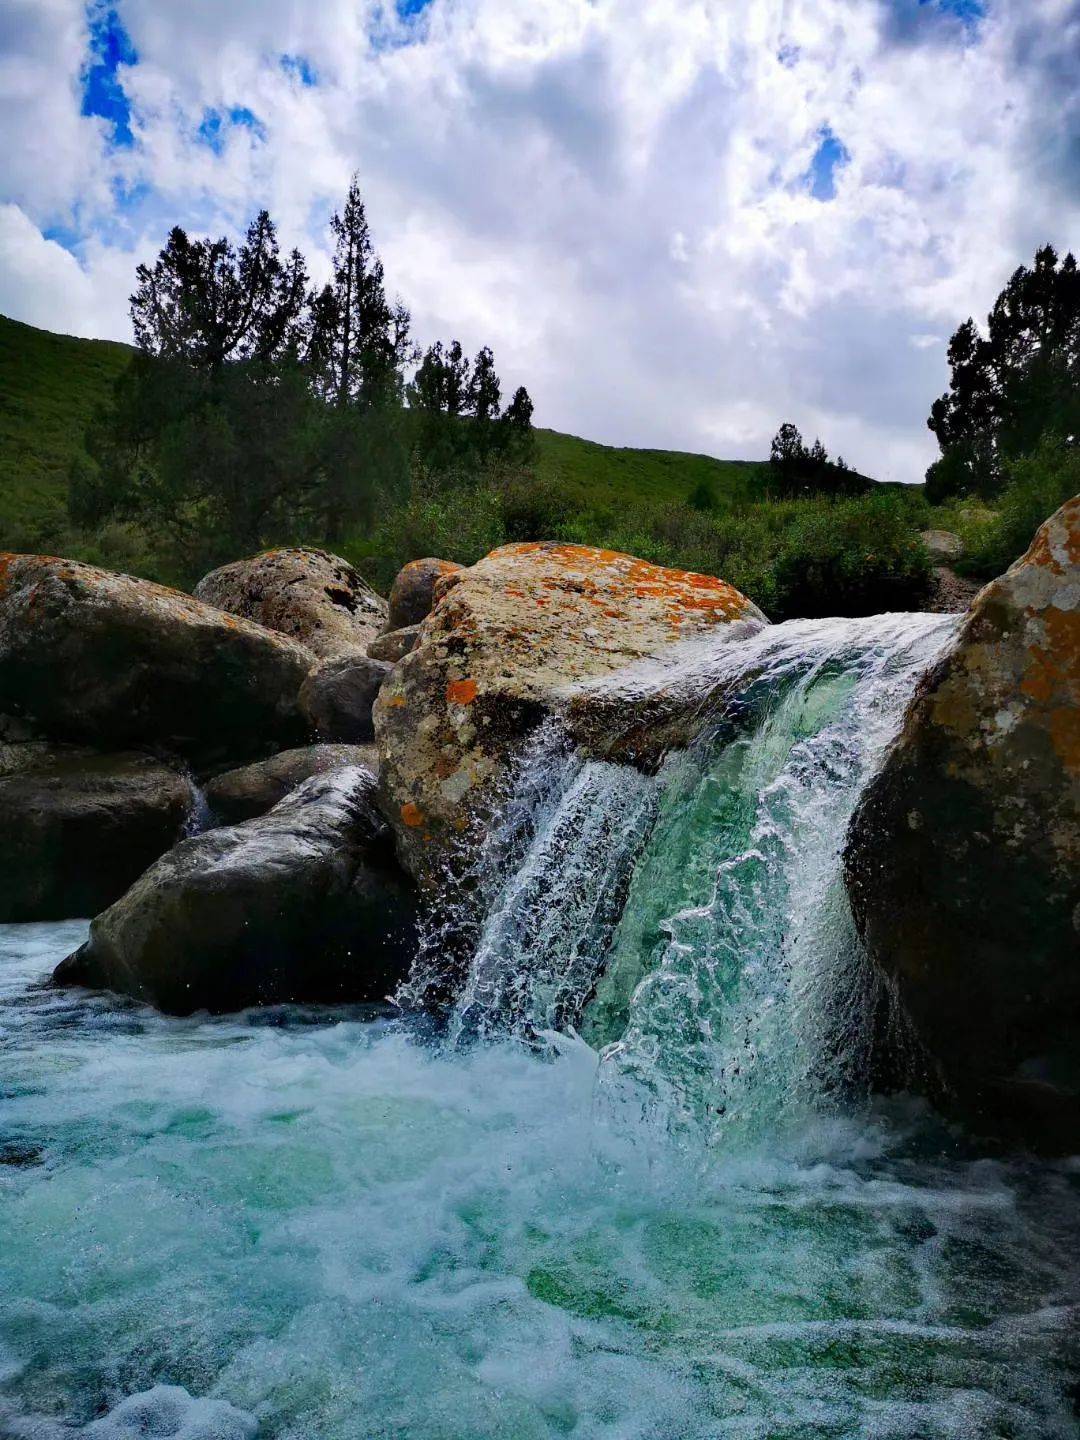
(808, 556)
(50, 386)
(597, 473)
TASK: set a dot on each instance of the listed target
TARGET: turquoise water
(334, 1230)
(335, 1225)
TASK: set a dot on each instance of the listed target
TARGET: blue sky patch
(969, 10)
(408, 8)
(65, 235)
(830, 156)
(103, 94)
(300, 68)
(216, 125)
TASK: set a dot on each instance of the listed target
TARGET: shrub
(1035, 487)
(851, 557)
(460, 523)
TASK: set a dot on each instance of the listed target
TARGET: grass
(50, 386)
(601, 474)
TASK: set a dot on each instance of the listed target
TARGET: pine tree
(361, 341)
(1012, 383)
(206, 303)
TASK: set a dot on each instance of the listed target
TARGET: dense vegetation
(1009, 424)
(259, 411)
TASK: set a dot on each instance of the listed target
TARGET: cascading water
(307, 1223)
(694, 922)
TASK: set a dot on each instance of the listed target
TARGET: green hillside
(50, 386)
(814, 555)
(595, 473)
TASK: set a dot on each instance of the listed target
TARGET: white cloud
(612, 193)
(44, 284)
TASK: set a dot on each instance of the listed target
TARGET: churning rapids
(636, 1186)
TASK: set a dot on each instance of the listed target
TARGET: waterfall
(693, 924)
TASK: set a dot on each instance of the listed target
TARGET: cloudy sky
(679, 222)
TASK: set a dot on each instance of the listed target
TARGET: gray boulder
(338, 695)
(392, 645)
(310, 595)
(76, 829)
(943, 546)
(305, 903)
(115, 662)
(254, 789)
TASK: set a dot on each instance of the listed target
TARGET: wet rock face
(305, 903)
(252, 790)
(508, 642)
(963, 860)
(77, 828)
(338, 695)
(92, 656)
(311, 595)
(413, 593)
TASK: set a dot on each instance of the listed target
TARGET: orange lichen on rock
(524, 630)
(461, 692)
(1054, 667)
(412, 815)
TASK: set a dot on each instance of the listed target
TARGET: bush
(462, 523)
(1035, 487)
(851, 557)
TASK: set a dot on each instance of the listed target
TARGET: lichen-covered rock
(963, 859)
(115, 661)
(508, 643)
(315, 597)
(77, 828)
(338, 695)
(254, 789)
(303, 904)
(413, 593)
(393, 644)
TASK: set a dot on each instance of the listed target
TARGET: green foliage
(460, 519)
(1012, 384)
(595, 475)
(819, 556)
(50, 387)
(684, 510)
(1036, 486)
(853, 557)
(204, 303)
(219, 463)
(259, 411)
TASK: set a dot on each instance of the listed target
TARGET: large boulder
(115, 661)
(391, 645)
(303, 904)
(508, 644)
(338, 696)
(963, 859)
(415, 590)
(254, 789)
(311, 595)
(76, 829)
